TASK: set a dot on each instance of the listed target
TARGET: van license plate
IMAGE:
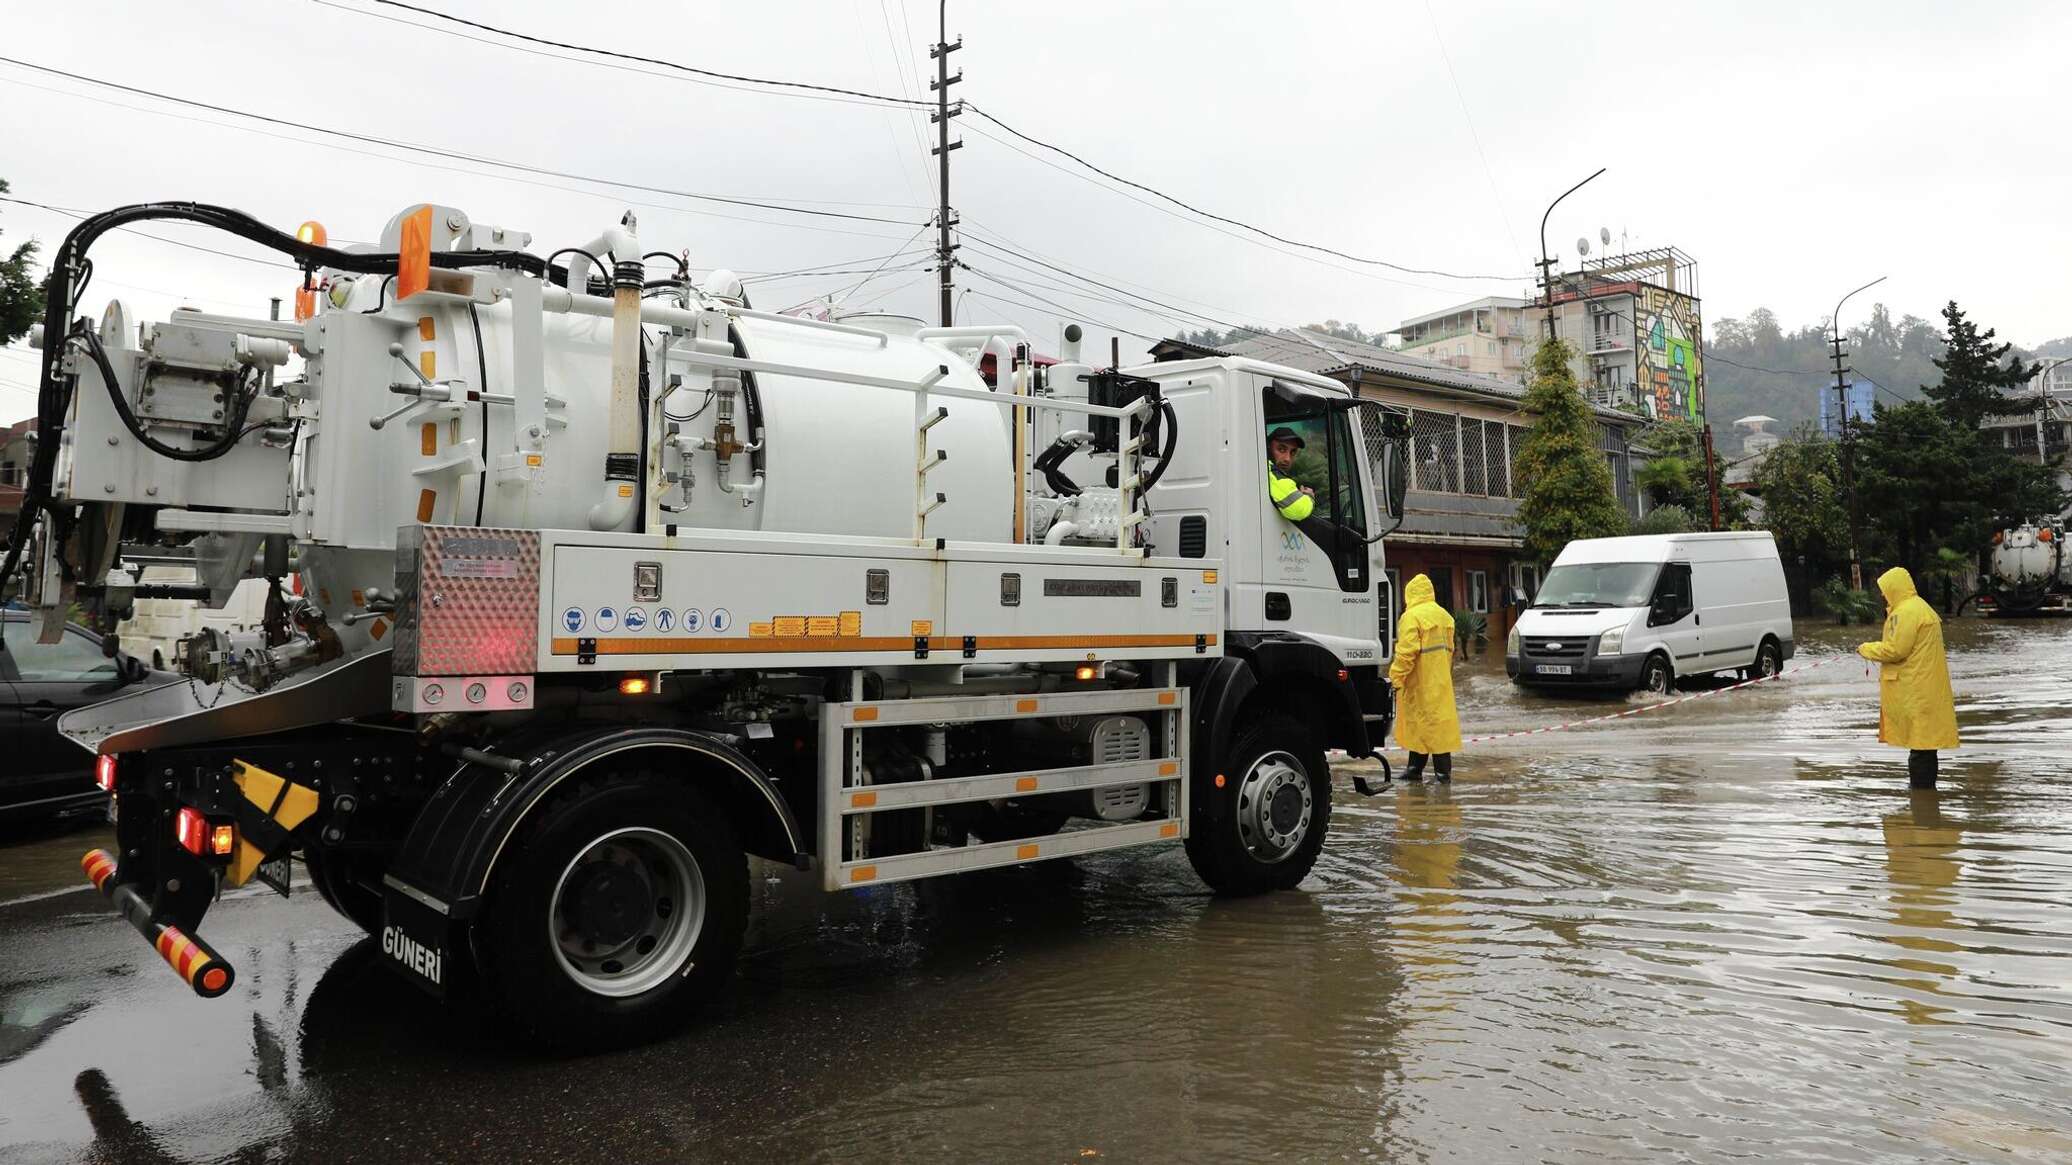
(1553, 669)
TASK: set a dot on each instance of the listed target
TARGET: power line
(1474, 135)
(1241, 225)
(1070, 313)
(434, 151)
(909, 102)
(656, 61)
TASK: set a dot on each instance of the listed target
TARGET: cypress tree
(1568, 487)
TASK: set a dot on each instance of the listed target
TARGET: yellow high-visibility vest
(1287, 496)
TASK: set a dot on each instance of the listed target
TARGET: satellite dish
(1582, 246)
(1604, 235)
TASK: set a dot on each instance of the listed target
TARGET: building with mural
(1635, 324)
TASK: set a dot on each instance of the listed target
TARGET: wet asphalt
(1718, 930)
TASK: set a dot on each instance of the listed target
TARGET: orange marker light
(1219, 780)
(1085, 671)
(104, 773)
(2045, 534)
(634, 686)
(1344, 675)
(312, 232)
(222, 839)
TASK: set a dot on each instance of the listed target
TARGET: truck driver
(1295, 502)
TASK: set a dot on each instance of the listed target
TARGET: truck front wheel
(619, 909)
(1270, 808)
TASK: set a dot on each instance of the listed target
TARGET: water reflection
(1920, 860)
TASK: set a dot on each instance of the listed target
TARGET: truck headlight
(1511, 643)
(1611, 641)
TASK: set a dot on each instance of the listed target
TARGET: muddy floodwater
(1720, 930)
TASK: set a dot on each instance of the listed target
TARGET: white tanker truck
(2029, 572)
(587, 579)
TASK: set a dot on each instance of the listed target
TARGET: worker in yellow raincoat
(1422, 675)
(1916, 709)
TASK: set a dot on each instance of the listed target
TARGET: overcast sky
(1794, 149)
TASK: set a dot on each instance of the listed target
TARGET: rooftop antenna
(1604, 235)
(1583, 246)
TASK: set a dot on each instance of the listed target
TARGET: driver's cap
(1284, 433)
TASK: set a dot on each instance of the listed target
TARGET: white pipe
(614, 510)
(1059, 531)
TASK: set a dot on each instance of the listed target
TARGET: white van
(1644, 611)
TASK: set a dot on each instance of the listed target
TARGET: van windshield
(1598, 584)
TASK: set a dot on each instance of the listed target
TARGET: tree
(1800, 483)
(21, 298)
(1924, 481)
(1568, 487)
(1975, 385)
(1674, 475)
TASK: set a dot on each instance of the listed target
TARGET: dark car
(41, 772)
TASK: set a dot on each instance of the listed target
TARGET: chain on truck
(586, 579)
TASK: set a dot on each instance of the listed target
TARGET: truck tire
(331, 874)
(1269, 819)
(617, 912)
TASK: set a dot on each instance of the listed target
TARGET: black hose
(683, 269)
(1171, 443)
(233, 427)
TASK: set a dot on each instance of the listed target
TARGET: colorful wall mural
(1671, 372)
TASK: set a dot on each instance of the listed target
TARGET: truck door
(1317, 568)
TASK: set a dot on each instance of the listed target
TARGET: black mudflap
(418, 937)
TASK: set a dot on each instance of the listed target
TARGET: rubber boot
(1921, 768)
(1442, 764)
(1414, 771)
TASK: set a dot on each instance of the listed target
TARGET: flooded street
(1722, 930)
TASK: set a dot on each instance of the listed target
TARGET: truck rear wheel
(619, 909)
(1271, 808)
(332, 875)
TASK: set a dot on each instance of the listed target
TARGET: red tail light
(104, 773)
(192, 831)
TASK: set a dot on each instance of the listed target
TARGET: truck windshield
(1598, 584)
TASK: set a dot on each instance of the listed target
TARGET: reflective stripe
(1436, 647)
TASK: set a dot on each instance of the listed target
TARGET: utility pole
(2043, 407)
(1848, 445)
(1711, 479)
(945, 251)
(1546, 262)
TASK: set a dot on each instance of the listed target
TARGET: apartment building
(1493, 336)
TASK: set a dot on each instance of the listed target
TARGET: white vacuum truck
(2029, 572)
(587, 579)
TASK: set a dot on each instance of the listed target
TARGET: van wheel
(1769, 660)
(1656, 676)
(1263, 828)
(619, 911)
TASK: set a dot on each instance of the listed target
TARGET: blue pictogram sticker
(607, 618)
(572, 620)
(693, 620)
(721, 620)
(665, 619)
(636, 618)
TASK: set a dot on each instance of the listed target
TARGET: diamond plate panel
(467, 601)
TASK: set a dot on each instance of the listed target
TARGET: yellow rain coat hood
(1915, 706)
(1423, 673)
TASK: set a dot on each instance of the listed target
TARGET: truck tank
(379, 412)
(2028, 566)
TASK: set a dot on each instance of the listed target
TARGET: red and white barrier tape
(1653, 707)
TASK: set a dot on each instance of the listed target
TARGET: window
(73, 659)
(1526, 578)
(1478, 591)
(1671, 601)
(1327, 465)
